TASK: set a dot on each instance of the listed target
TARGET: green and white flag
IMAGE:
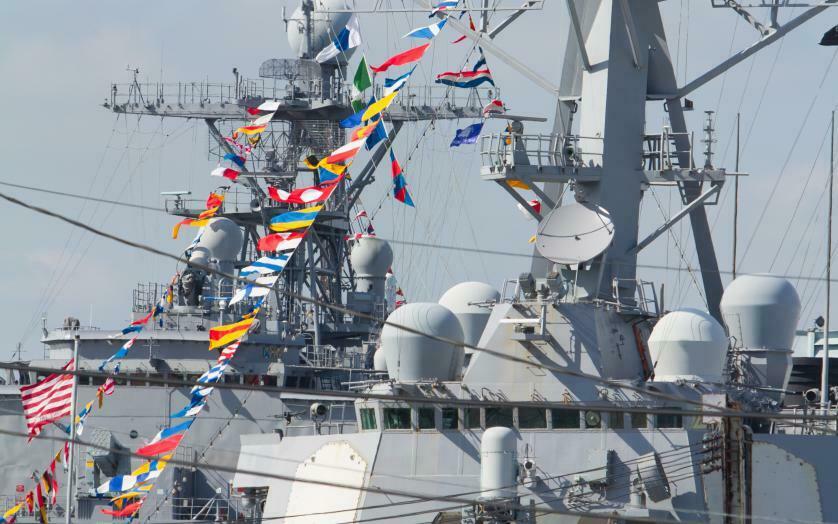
(362, 76)
(361, 82)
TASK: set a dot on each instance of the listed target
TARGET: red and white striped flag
(48, 400)
(228, 352)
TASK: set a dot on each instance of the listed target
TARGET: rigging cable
(779, 178)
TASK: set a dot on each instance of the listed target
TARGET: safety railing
(644, 298)
(661, 153)
(440, 97)
(328, 356)
(806, 425)
(157, 94)
(502, 150)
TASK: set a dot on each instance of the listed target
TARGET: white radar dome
(371, 257)
(412, 357)
(761, 311)
(761, 314)
(379, 361)
(688, 344)
(462, 300)
(498, 464)
(221, 240)
(326, 24)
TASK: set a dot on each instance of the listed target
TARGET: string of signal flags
(127, 493)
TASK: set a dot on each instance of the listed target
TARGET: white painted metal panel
(335, 462)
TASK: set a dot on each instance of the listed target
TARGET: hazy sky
(57, 60)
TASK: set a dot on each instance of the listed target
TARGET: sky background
(58, 59)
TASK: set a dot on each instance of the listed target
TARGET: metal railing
(504, 150)
(440, 97)
(328, 356)
(157, 94)
(661, 154)
(153, 95)
(644, 299)
(807, 426)
(499, 150)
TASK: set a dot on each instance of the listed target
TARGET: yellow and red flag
(222, 335)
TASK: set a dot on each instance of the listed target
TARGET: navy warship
(567, 393)
(299, 345)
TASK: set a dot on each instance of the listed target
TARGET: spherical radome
(688, 344)
(462, 300)
(411, 356)
(761, 311)
(371, 257)
(221, 239)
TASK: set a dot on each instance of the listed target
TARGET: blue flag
(352, 121)
(378, 134)
(468, 135)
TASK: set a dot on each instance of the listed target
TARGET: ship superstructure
(569, 394)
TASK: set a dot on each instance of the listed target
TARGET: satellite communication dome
(371, 257)
(412, 357)
(761, 311)
(688, 344)
(325, 25)
(574, 233)
(379, 361)
(498, 464)
(761, 314)
(462, 299)
(221, 240)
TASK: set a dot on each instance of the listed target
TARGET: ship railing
(660, 152)
(441, 97)
(146, 296)
(505, 150)
(806, 425)
(9, 501)
(328, 356)
(219, 508)
(151, 95)
(643, 300)
(236, 200)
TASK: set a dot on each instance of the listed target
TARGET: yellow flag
(518, 184)
(12, 511)
(378, 106)
(222, 335)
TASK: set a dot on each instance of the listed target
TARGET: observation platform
(220, 101)
(562, 158)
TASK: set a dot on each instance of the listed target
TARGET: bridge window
(396, 418)
(616, 420)
(638, 420)
(669, 421)
(532, 418)
(450, 418)
(471, 418)
(499, 417)
(368, 418)
(565, 418)
(426, 419)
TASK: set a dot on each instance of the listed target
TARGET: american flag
(48, 400)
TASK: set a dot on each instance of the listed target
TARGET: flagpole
(71, 459)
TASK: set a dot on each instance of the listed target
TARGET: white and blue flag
(427, 32)
(349, 37)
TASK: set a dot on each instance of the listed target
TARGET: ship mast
(825, 355)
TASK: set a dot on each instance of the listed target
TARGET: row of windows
(394, 418)
(139, 379)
